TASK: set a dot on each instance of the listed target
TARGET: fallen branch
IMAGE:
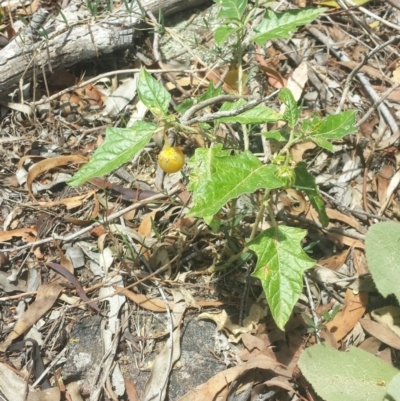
(79, 40)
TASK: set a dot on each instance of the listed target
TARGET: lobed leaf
(337, 126)
(217, 177)
(231, 9)
(257, 115)
(280, 266)
(281, 25)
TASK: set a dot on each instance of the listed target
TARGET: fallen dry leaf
(346, 319)
(234, 331)
(70, 203)
(156, 386)
(275, 79)
(46, 297)
(29, 234)
(145, 228)
(336, 261)
(383, 180)
(13, 387)
(131, 391)
(49, 164)
(157, 304)
(298, 150)
(50, 394)
(371, 345)
(381, 332)
(367, 69)
(350, 221)
(389, 315)
(220, 382)
(73, 391)
(294, 201)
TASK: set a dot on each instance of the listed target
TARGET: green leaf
(280, 267)
(333, 127)
(337, 126)
(345, 376)
(119, 147)
(382, 247)
(323, 143)
(222, 33)
(281, 25)
(291, 114)
(393, 389)
(306, 182)
(210, 92)
(184, 106)
(217, 176)
(257, 115)
(279, 136)
(311, 125)
(231, 9)
(153, 94)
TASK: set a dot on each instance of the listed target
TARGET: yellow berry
(171, 159)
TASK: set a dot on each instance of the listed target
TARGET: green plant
(218, 177)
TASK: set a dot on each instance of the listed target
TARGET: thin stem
(285, 149)
(271, 215)
(259, 217)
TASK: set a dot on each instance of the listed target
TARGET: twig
(70, 237)
(297, 59)
(47, 370)
(360, 76)
(337, 230)
(157, 55)
(358, 68)
(209, 102)
(220, 114)
(312, 309)
(107, 74)
(105, 366)
(376, 17)
(352, 211)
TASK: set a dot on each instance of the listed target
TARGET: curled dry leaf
(294, 201)
(73, 280)
(48, 164)
(218, 384)
(298, 150)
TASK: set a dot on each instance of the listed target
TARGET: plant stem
(285, 149)
(271, 215)
(260, 215)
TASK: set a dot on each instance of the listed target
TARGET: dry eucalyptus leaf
(389, 315)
